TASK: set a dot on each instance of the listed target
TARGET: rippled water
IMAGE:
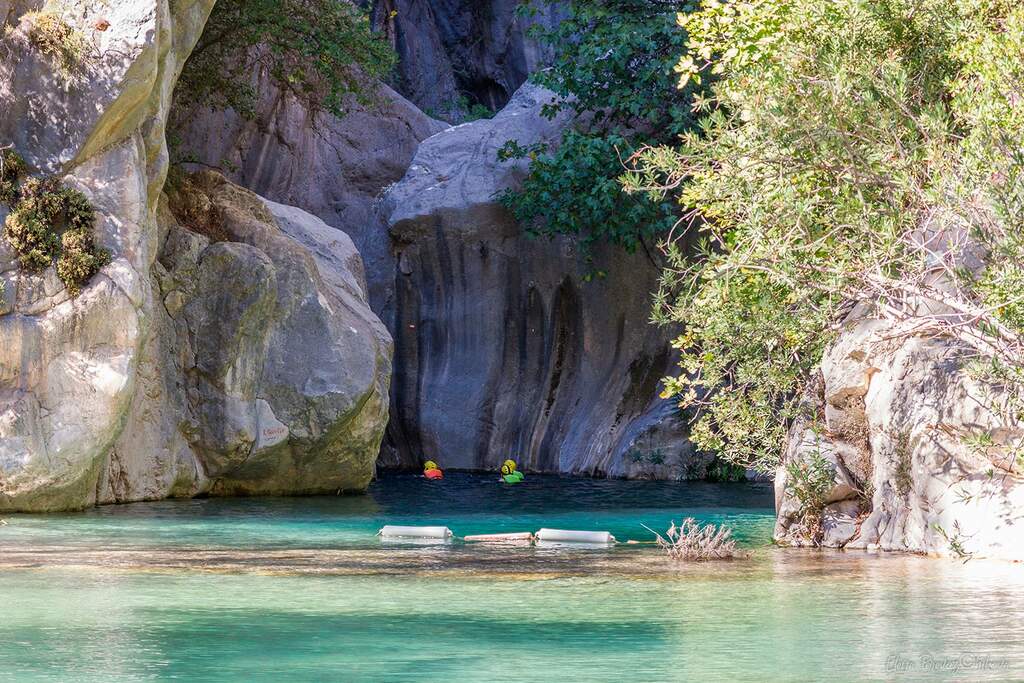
(301, 589)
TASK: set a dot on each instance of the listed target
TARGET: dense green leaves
(849, 150)
(50, 223)
(321, 51)
(616, 58)
(615, 62)
(575, 190)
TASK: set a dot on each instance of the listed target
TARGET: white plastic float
(440, 533)
(522, 537)
(567, 536)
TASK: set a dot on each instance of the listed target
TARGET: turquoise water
(301, 589)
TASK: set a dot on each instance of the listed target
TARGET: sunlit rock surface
(96, 391)
(896, 420)
(573, 364)
(69, 367)
(335, 168)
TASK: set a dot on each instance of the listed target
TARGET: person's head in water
(511, 464)
(430, 465)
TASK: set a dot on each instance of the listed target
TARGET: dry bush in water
(695, 542)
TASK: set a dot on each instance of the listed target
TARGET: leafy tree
(614, 64)
(848, 151)
(321, 51)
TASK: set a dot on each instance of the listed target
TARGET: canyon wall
(511, 346)
(506, 346)
(455, 54)
(151, 384)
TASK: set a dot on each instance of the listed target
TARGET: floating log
(569, 536)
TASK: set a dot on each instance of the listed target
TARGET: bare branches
(691, 541)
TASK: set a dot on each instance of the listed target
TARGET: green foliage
(655, 456)
(956, 540)
(12, 168)
(51, 222)
(321, 51)
(575, 190)
(614, 61)
(65, 45)
(723, 470)
(809, 480)
(846, 151)
(904, 471)
(79, 259)
(461, 110)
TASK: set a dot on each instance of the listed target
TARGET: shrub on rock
(50, 222)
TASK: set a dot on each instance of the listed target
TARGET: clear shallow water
(467, 503)
(300, 589)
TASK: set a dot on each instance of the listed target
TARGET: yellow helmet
(506, 470)
(511, 464)
(430, 465)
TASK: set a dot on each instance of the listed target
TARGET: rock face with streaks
(893, 420)
(455, 54)
(532, 353)
(108, 396)
(505, 347)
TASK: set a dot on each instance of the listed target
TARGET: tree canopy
(321, 51)
(847, 151)
(614, 61)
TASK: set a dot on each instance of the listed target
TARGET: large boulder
(508, 346)
(335, 168)
(69, 366)
(274, 371)
(266, 374)
(899, 419)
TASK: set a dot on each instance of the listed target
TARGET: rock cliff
(142, 387)
(893, 423)
(537, 359)
(508, 346)
(332, 167)
(455, 54)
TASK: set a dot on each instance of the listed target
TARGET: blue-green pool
(301, 589)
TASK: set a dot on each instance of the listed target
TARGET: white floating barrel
(438, 532)
(566, 536)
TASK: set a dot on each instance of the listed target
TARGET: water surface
(302, 589)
